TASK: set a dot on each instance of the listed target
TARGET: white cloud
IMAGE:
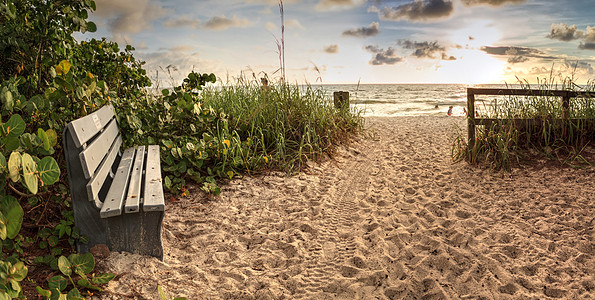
(223, 23)
(326, 5)
(182, 21)
(128, 17)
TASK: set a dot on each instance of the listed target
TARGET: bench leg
(138, 233)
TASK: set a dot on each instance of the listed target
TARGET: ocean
(406, 99)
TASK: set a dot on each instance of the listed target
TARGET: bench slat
(112, 206)
(95, 184)
(153, 198)
(92, 156)
(134, 187)
(83, 129)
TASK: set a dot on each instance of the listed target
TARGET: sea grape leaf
(91, 27)
(83, 264)
(64, 265)
(15, 126)
(29, 170)
(58, 282)
(84, 282)
(14, 166)
(42, 292)
(13, 215)
(63, 67)
(48, 169)
(103, 278)
(52, 137)
(11, 143)
(45, 141)
(20, 271)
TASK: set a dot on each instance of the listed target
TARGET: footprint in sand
(463, 214)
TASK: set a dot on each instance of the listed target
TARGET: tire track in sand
(335, 244)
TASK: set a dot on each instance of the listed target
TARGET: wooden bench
(117, 196)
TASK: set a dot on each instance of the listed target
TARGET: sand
(391, 217)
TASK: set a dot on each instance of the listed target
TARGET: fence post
(341, 99)
(565, 114)
(470, 117)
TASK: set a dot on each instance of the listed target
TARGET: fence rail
(472, 120)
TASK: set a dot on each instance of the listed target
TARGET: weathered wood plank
(85, 128)
(94, 185)
(114, 200)
(153, 196)
(92, 156)
(134, 187)
(527, 92)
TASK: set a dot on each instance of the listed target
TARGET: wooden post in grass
(341, 99)
(470, 117)
(565, 114)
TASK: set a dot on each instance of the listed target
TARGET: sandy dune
(391, 218)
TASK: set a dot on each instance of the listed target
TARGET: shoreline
(390, 217)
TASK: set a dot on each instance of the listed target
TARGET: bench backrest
(96, 140)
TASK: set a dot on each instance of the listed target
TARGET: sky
(351, 41)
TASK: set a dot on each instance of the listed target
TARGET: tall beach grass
(530, 127)
(284, 124)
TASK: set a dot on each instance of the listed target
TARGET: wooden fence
(473, 120)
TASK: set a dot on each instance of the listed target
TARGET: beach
(390, 217)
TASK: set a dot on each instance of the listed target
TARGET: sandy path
(391, 218)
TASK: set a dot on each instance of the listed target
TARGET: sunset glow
(379, 41)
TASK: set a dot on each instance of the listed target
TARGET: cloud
(223, 23)
(271, 26)
(371, 30)
(181, 63)
(586, 46)
(418, 11)
(448, 57)
(565, 33)
(293, 23)
(520, 53)
(183, 48)
(589, 35)
(326, 5)
(332, 49)
(491, 2)
(128, 17)
(183, 21)
(383, 57)
(582, 67)
(426, 49)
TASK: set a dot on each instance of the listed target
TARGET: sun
(474, 66)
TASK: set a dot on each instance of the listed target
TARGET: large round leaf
(20, 271)
(91, 27)
(10, 143)
(29, 170)
(58, 282)
(83, 263)
(13, 212)
(52, 137)
(14, 166)
(45, 142)
(64, 265)
(48, 169)
(15, 126)
(63, 67)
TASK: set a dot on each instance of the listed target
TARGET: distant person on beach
(449, 110)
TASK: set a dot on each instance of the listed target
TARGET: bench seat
(117, 196)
